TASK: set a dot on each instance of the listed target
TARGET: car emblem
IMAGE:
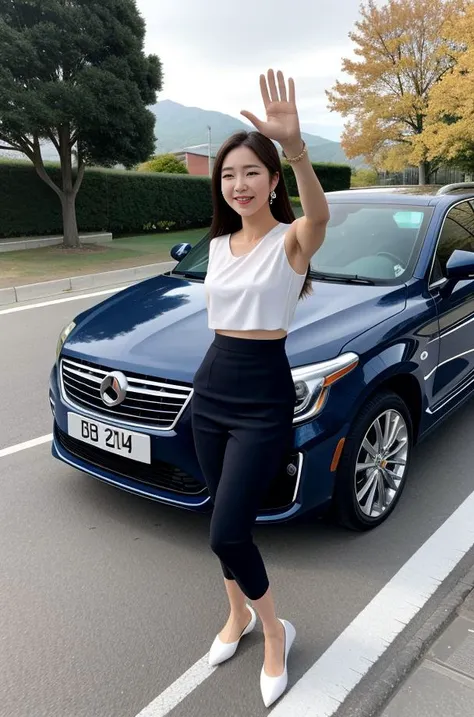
(113, 388)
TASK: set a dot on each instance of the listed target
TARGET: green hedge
(333, 177)
(120, 201)
(109, 200)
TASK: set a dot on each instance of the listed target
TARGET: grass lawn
(54, 262)
(32, 265)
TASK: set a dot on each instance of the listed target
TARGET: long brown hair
(227, 221)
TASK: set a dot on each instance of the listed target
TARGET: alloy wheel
(381, 463)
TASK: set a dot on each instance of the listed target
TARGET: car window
(376, 241)
(457, 233)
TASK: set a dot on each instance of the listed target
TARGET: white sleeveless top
(258, 290)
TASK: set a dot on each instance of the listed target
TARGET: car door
(455, 369)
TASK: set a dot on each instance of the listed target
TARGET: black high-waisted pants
(242, 412)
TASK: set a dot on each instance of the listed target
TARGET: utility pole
(209, 149)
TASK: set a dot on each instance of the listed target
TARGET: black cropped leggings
(242, 412)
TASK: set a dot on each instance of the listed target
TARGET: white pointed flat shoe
(273, 687)
(222, 651)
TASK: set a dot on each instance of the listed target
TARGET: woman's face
(245, 181)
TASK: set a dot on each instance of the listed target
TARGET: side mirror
(460, 265)
(179, 251)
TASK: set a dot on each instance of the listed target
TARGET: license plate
(115, 440)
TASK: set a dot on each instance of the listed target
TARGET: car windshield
(380, 242)
(375, 241)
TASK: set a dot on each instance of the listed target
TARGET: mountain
(178, 126)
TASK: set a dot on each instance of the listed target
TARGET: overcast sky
(213, 52)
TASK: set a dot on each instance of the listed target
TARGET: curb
(377, 697)
(20, 244)
(14, 294)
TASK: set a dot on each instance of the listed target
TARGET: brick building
(196, 158)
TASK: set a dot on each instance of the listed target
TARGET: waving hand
(282, 122)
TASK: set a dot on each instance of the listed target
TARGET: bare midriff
(254, 334)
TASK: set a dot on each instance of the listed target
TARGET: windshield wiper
(189, 274)
(343, 278)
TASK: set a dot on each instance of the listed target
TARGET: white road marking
(176, 693)
(14, 309)
(326, 684)
(27, 444)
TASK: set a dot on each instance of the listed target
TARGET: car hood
(159, 326)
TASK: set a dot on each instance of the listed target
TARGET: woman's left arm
(310, 228)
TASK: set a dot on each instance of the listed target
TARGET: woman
(244, 395)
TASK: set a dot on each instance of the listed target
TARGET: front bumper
(174, 476)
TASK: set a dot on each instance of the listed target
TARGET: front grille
(151, 402)
(158, 473)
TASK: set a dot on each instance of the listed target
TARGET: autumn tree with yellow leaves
(449, 126)
(403, 55)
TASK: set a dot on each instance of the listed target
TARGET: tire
(386, 476)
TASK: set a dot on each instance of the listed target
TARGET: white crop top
(258, 290)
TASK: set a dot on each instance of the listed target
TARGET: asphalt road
(107, 599)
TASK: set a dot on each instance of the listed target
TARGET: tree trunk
(68, 198)
(71, 234)
(423, 169)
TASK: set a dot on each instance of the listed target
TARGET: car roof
(428, 194)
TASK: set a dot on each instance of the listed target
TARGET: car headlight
(312, 384)
(63, 336)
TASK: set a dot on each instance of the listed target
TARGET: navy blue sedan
(381, 353)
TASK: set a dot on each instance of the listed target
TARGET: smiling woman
(244, 395)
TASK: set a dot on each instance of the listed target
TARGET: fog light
(302, 391)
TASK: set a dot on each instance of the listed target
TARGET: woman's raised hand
(282, 122)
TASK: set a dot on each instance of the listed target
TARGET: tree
(74, 72)
(364, 178)
(167, 163)
(404, 54)
(449, 127)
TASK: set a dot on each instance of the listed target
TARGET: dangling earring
(272, 196)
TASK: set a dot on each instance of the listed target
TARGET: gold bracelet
(299, 156)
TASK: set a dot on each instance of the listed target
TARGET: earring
(272, 196)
